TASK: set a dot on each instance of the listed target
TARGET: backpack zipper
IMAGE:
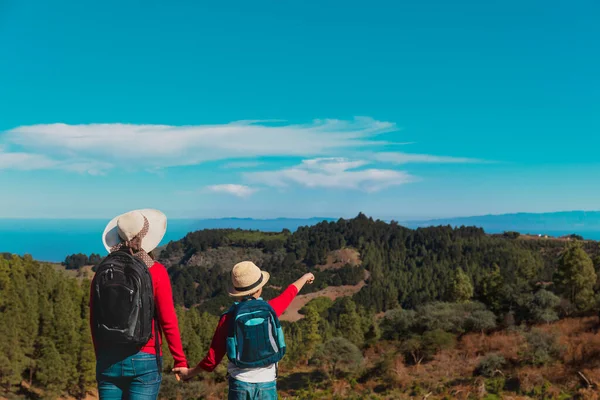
(248, 313)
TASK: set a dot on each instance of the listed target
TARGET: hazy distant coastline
(53, 239)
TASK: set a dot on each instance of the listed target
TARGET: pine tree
(12, 357)
(576, 277)
(370, 327)
(206, 329)
(189, 321)
(462, 289)
(30, 321)
(86, 360)
(491, 289)
(349, 323)
(67, 326)
(310, 332)
(52, 372)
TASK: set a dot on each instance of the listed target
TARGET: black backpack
(123, 301)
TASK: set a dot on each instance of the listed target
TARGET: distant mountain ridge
(521, 222)
(53, 239)
(566, 221)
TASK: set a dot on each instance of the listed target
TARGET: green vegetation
(444, 311)
(491, 365)
(576, 277)
(462, 288)
(76, 261)
(44, 327)
(256, 238)
(339, 355)
(542, 347)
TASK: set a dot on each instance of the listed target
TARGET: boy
(246, 326)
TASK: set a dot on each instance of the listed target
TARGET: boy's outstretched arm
(282, 302)
(306, 278)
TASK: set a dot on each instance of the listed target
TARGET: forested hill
(407, 267)
(447, 294)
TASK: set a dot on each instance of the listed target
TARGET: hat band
(254, 285)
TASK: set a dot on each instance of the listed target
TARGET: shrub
(511, 235)
(480, 321)
(495, 385)
(339, 355)
(543, 307)
(542, 347)
(454, 317)
(397, 323)
(170, 389)
(422, 348)
(76, 261)
(321, 304)
(490, 365)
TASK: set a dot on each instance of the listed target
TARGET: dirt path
(333, 292)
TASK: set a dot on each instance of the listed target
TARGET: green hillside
(446, 313)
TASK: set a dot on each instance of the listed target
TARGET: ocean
(53, 239)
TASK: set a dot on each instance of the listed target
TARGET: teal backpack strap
(231, 344)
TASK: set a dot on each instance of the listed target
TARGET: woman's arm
(167, 318)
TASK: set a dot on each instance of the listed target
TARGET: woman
(130, 293)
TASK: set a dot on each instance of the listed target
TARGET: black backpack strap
(157, 334)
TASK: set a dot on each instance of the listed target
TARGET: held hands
(185, 373)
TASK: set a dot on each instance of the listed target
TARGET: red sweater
(163, 299)
(218, 346)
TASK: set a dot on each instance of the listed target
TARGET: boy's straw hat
(126, 227)
(247, 278)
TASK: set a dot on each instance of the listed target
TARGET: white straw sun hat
(126, 227)
(247, 278)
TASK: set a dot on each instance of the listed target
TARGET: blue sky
(287, 108)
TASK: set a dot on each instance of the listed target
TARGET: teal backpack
(255, 338)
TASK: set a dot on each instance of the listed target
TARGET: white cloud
(233, 189)
(334, 173)
(25, 161)
(30, 161)
(406, 158)
(97, 148)
(155, 146)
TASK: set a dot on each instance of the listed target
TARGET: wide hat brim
(234, 293)
(157, 222)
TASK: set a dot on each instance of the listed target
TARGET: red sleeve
(217, 347)
(163, 298)
(282, 302)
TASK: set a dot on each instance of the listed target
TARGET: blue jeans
(134, 377)
(239, 390)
